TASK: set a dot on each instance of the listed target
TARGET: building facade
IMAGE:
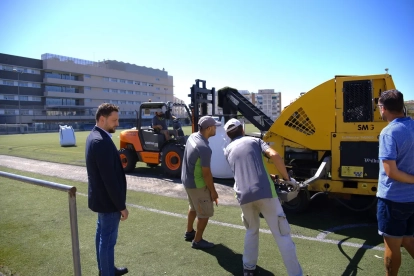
(409, 105)
(64, 90)
(269, 102)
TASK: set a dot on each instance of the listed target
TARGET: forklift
(146, 144)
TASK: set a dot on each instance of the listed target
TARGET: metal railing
(72, 211)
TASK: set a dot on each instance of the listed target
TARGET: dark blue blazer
(106, 178)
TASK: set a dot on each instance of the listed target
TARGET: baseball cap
(208, 121)
(231, 125)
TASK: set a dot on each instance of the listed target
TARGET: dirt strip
(154, 184)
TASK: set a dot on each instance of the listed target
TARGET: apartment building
(217, 110)
(269, 101)
(179, 112)
(65, 90)
(21, 93)
(409, 105)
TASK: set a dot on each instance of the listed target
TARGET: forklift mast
(231, 101)
(199, 100)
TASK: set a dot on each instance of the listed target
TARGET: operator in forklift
(159, 123)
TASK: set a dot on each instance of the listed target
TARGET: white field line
(319, 238)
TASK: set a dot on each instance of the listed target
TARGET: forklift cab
(152, 139)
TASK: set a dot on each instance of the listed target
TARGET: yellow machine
(328, 138)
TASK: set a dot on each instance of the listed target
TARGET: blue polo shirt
(396, 142)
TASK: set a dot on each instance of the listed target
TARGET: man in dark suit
(106, 187)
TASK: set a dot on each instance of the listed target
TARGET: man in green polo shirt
(198, 181)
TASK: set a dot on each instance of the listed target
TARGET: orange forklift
(148, 145)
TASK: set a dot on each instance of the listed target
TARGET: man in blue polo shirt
(256, 194)
(395, 208)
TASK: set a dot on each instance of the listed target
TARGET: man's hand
(124, 214)
(214, 196)
(293, 183)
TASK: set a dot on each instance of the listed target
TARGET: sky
(290, 46)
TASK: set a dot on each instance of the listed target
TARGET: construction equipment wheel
(128, 159)
(171, 160)
(298, 204)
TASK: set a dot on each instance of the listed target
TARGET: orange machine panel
(150, 157)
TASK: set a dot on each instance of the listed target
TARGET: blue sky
(290, 46)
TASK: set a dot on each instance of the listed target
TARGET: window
(114, 80)
(88, 88)
(105, 79)
(8, 97)
(24, 84)
(122, 81)
(87, 76)
(106, 90)
(36, 99)
(10, 112)
(36, 85)
(5, 82)
(114, 90)
(24, 98)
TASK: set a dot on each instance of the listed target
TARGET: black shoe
(248, 272)
(119, 271)
(189, 236)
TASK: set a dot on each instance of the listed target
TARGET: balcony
(71, 95)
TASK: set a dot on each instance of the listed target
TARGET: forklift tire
(171, 161)
(128, 159)
(298, 204)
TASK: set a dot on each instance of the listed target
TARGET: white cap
(231, 125)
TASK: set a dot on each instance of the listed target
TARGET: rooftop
(109, 64)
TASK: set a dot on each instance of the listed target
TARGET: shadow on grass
(331, 218)
(231, 261)
(323, 215)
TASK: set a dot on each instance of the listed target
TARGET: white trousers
(275, 217)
